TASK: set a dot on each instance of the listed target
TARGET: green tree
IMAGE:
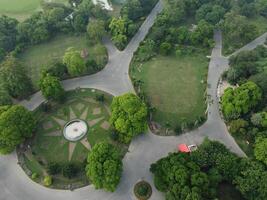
(16, 124)
(260, 149)
(104, 166)
(165, 48)
(51, 87)
(240, 101)
(251, 181)
(238, 126)
(118, 29)
(15, 79)
(5, 98)
(132, 10)
(96, 30)
(74, 62)
(259, 119)
(129, 116)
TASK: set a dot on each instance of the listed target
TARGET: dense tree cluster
(16, 124)
(104, 166)
(129, 116)
(240, 101)
(131, 17)
(239, 16)
(197, 175)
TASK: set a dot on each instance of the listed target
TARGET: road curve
(144, 150)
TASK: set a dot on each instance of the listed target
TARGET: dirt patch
(48, 125)
(54, 134)
(96, 111)
(105, 125)
(84, 114)
(86, 143)
(95, 121)
(71, 149)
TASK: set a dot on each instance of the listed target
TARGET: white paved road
(144, 150)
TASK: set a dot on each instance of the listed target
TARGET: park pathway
(145, 149)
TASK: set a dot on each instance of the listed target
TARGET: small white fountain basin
(75, 130)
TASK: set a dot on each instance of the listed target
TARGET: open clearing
(175, 86)
(39, 56)
(21, 9)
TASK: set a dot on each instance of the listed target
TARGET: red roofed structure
(183, 148)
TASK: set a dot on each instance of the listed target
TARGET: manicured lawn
(49, 144)
(39, 56)
(21, 9)
(175, 86)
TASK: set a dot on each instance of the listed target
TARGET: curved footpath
(145, 149)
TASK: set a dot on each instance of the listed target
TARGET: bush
(142, 190)
(46, 106)
(54, 168)
(178, 130)
(34, 176)
(100, 97)
(70, 170)
(47, 181)
(114, 135)
(165, 48)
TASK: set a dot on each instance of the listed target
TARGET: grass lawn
(259, 21)
(49, 144)
(228, 192)
(22, 9)
(175, 86)
(39, 56)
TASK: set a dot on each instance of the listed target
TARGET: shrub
(54, 168)
(47, 181)
(34, 176)
(142, 190)
(100, 97)
(70, 170)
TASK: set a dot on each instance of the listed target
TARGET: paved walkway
(144, 150)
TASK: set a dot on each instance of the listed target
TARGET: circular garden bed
(142, 190)
(50, 154)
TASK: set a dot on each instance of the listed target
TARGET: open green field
(39, 56)
(50, 146)
(174, 86)
(21, 9)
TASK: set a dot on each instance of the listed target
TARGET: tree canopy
(51, 87)
(129, 116)
(239, 101)
(16, 124)
(104, 166)
(96, 30)
(14, 78)
(74, 62)
(260, 149)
